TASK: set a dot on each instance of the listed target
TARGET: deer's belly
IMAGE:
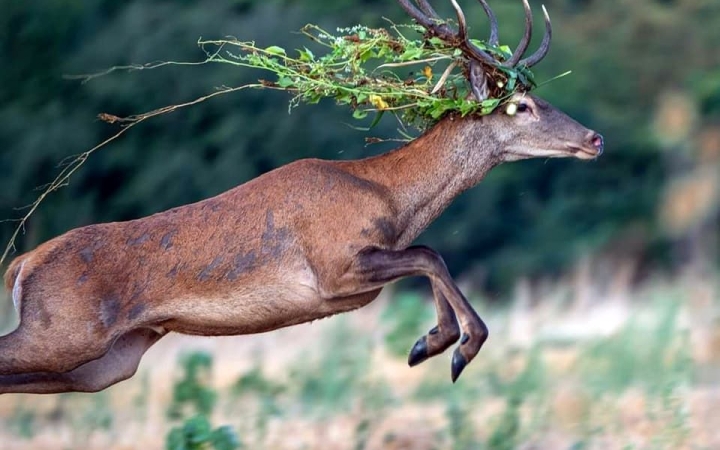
(268, 304)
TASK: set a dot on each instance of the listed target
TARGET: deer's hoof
(458, 364)
(419, 352)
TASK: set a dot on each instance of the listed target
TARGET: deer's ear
(478, 81)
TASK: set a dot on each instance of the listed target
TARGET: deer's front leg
(377, 267)
(440, 337)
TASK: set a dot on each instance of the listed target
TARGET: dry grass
(569, 367)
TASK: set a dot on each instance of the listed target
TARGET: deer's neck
(425, 176)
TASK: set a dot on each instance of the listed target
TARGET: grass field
(570, 365)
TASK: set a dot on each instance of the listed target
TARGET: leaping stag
(305, 241)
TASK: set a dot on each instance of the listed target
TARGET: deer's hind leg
(119, 363)
(35, 348)
(440, 337)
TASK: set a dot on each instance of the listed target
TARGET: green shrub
(196, 433)
(193, 401)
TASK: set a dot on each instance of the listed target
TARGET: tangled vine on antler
(501, 74)
(361, 67)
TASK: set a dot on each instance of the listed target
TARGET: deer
(305, 241)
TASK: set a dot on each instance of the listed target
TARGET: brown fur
(11, 273)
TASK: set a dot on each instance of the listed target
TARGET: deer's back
(271, 231)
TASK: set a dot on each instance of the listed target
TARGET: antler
(544, 45)
(428, 18)
(425, 15)
(493, 39)
(524, 41)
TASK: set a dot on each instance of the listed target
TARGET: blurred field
(570, 365)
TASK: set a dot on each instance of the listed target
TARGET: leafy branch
(360, 70)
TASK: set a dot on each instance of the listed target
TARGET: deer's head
(525, 126)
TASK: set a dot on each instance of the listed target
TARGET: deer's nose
(597, 142)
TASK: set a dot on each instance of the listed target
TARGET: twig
(128, 122)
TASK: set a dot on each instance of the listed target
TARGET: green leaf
(285, 82)
(531, 77)
(306, 55)
(410, 54)
(466, 107)
(438, 110)
(489, 105)
(344, 98)
(480, 44)
(367, 54)
(526, 77)
(360, 114)
(437, 42)
(275, 50)
(505, 50)
(377, 118)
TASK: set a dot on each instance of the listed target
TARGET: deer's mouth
(568, 151)
(582, 152)
(592, 148)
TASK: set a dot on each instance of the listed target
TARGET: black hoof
(457, 365)
(419, 352)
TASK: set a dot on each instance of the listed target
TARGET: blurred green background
(599, 280)
(646, 74)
